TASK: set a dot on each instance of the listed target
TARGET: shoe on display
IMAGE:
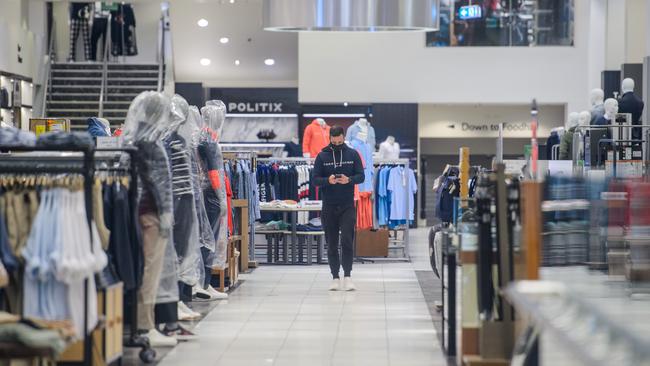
(348, 285)
(180, 334)
(335, 285)
(216, 294)
(157, 339)
(200, 293)
(185, 313)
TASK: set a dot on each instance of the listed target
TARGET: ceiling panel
(241, 22)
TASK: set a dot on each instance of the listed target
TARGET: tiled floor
(283, 315)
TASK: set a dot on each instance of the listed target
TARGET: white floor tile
(284, 316)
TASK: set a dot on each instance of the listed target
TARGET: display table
(292, 212)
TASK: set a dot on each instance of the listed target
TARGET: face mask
(336, 147)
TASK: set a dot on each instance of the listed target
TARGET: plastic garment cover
(168, 286)
(186, 226)
(214, 114)
(147, 118)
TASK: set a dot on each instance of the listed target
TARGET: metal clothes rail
(405, 242)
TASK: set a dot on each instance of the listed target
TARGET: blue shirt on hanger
(365, 151)
(402, 185)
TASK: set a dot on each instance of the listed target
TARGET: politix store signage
(258, 100)
(259, 114)
(454, 121)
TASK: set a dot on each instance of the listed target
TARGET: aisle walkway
(283, 315)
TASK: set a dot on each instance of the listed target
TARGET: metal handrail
(102, 90)
(47, 85)
(161, 55)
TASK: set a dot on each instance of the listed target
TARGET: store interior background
(412, 91)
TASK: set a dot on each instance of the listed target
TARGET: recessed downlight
(202, 23)
(205, 61)
(345, 104)
(224, 40)
(232, 1)
(237, 62)
(269, 62)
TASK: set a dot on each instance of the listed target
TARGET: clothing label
(108, 142)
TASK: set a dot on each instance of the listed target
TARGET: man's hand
(343, 179)
(332, 179)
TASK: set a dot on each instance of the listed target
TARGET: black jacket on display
(345, 161)
(630, 103)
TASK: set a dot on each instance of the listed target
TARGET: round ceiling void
(351, 15)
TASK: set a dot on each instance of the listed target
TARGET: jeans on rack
(338, 224)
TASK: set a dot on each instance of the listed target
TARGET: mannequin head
(179, 110)
(214, 115)
(596, 97)
(363, 122)
(390, 139)
(611, 108)
(584, 118)
(147, 118)
(627, 86)
(321, 122)
(573, 120)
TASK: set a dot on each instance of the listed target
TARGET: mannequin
(631, 103)
(566, 143)
(146, 124)
(292, 149)
(389, 149)
(596, 97)
(316, 137)
(217, 205)
(611, 108)
(556, 136)
(362, 126)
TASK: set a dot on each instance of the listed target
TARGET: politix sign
(258, 100)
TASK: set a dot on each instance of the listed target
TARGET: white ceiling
(241, 22)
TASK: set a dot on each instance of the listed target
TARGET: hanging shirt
(316, 137)
(365, 151)
(383, 197)
(402, 185)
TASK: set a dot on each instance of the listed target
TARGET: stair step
(88, 105)
(128, 97)
(111, 74)
(142, 87)
(99, 66)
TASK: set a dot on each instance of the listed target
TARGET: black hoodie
(345, 161)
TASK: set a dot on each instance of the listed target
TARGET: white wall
(636, 32)
(14, 30)
(397, 67)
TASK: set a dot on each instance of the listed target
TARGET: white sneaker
(201, 294)
(216, 294)
(335, 285)
(348, 285)
(157, 339)
(185, 313)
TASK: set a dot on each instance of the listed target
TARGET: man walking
(336, 170)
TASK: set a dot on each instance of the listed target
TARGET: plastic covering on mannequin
(147, 117)
(214, 115)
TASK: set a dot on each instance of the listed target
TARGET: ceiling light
(224, 40)
(237, 62)
(269, 62)
(345, 104)
(205, 61)
(232, 1)
(202, 23)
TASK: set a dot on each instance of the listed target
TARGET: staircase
(76, 88)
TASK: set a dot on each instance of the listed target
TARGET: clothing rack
(286, 160)
(27, 164)
(405, 241)
(252, 155)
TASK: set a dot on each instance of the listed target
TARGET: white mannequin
(583, 118)
(596, 97)
(573, 120)
(389, 149)
(627, 85)
(321, 122)
(611, 108)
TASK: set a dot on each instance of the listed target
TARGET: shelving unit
(20, 93)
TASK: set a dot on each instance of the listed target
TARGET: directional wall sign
(470, 12)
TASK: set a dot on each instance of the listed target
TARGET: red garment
(315, 138)
(229, 194)
(118, 132)
(364, 210)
